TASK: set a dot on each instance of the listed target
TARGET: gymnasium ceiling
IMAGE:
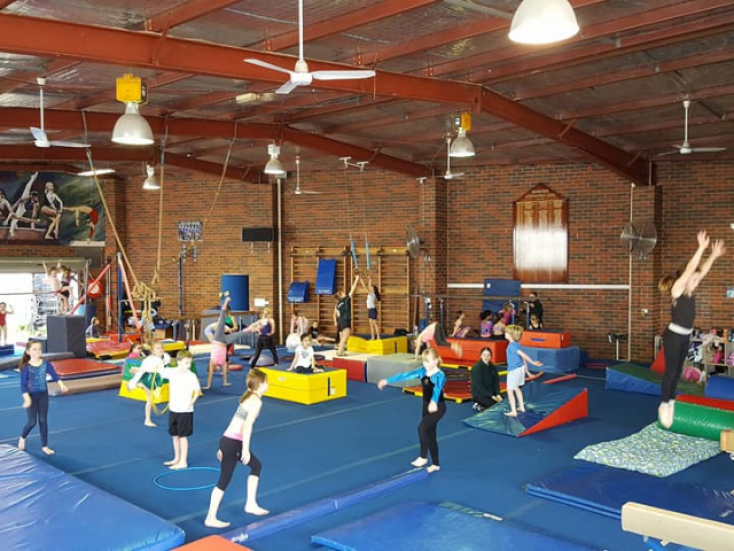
(611, 95)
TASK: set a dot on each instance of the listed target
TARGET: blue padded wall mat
(604, 490)
(45, 508)
(410, 526)
(326, 277)
(298, 292)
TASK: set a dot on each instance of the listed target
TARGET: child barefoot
(33, 370)
(145, 377)
(434, 407)
(184, 390)
(234, 447)
(221, 340)
(303, 358)
(516, 360)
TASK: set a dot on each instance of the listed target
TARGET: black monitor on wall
(258, 235)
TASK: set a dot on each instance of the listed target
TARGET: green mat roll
(704, 422)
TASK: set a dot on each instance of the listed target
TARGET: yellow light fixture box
(131, 89)
(466, 121)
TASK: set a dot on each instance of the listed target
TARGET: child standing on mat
(5, 311)
(145, 377)
(485, 382)
(184, 390)
(373, 295)
(234, 447)
(677, 336)
(304, 360)
(265, 328)
(434, 407)
(33, 371)
(517, 361)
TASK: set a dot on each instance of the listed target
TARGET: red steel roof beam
(183, 13)
(249, 174)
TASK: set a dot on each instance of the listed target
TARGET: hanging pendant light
(150, 183)
(462, 146)
(274, 167)
(132, 128)
(543, 22)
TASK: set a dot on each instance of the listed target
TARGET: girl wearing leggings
(265, 328)
(234, 447)
(434, 407)
(677, 336)
(33, 370)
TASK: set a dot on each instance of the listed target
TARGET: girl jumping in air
(677, 336)
(434, 407)
(234, 447)
(33, 371)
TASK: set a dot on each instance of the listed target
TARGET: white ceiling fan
(300, 191)
(685, 148)
(39, 134)
(301, 76)
(448, 175)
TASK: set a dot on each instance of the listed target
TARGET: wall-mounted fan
(685, 148)
(39, 134)
(414, 244)
(639, 239)
(301, 76)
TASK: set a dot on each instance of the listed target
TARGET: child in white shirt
(184, 389)
(304, 360)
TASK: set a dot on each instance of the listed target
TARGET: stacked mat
(641, 380)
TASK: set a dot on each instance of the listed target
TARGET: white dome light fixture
(543, 22)
(150, 183)
(132, 128)
(462, 146)
(274, 167)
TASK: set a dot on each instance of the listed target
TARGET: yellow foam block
(160, 394)
(304, 388)
(727, 441)
(381, 347)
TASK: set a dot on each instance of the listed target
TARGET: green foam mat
(646, 374)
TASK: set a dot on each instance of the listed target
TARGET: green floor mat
(652, 451)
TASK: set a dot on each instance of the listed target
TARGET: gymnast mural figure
(26, 209)
(52, 207)
(92, 217)
(5, 206)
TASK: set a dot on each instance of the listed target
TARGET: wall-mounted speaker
(258, 235)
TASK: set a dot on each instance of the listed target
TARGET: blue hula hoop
(188, 488)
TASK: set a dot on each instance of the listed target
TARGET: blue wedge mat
(298, 292)
(45, 508)
(720, 387)
(326, 277)
(411, 526)
(556, 360)
(322, 507)
(604, 490)
(540, 401)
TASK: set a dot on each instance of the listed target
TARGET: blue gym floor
(312, 452)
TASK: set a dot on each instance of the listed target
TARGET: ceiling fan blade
(343, 75)
(667, 153)
(287, 88)
(42, 143)
(62, 143)
(707, 149)
(267, 65)
(39, 134)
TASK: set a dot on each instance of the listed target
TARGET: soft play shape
(546, 407)
(298, 292)
(697, 420)
(326, 277)
(640, 380)
(720, 387)
(306, 388)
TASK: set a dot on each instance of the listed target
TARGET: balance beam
(669, 526)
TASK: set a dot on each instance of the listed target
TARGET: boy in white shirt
(184, 389)
(303, 359)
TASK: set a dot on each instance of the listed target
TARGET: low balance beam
(727, 441)
(669, 526)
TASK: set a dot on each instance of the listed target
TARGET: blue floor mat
(604, 490)
(411, 526)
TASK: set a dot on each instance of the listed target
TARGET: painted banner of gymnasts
(49, 207)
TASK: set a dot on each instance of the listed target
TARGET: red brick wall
(467, 228)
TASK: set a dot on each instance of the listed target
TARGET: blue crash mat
(45, 508)
(410, 526)
(604, 490)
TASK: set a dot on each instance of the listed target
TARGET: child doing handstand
(434, 407)
(221, 340)
(516, 366)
